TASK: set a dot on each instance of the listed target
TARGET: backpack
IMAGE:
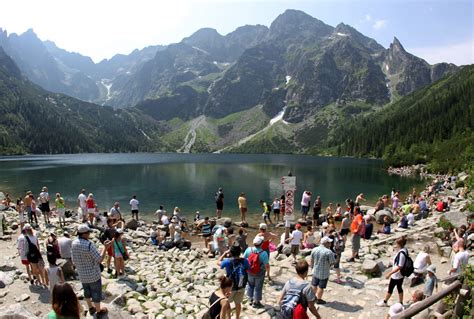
(102, 237)
(33, 255)
(292, 299)
(407, 268)
(269, 207)
(238, 274)
(254, 261)
(339, 245)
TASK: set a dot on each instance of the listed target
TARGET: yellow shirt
(242, 202)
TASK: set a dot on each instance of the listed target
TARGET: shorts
(93, 290)
(276, 211)
(295, 249)
(321, 283)
(266, 216)
(220, 205)
(61, 212)
(395, 282)
(338, 261)
(355, 242)
(344, 231)
(206, 235)
(237, 296)
(91, 211)
(110, 251)
(134, 211)
(44, 207)
(25, 262)
(243, 209)
(305, 209)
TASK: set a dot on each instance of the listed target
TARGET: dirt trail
(191, 136)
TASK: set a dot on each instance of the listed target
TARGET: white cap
(119, 231)
(83, 228)
(346, 213)
(258, 240)
(262, 226)
(325, 225)
(325, 240)
(395, 309)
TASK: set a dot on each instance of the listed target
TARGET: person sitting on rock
(369, 227)
(386, 226)
(403, 222)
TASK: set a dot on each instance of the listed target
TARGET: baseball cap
(119, 231)
(258, 240)
(298, 226)
(395, 309)
(83, 228)
(325, 240)
(263, 226)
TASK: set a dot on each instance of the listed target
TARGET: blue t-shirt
(263, 257)
(227, 265)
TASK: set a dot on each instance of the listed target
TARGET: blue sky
(435, 30)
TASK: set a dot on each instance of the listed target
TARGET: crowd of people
(324, 239)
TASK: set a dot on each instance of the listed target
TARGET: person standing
(317, 206)
(321, 258)
(116, 215)
(20, 208)
(91, 206)
(44, 204)
(460, 259)
(64, 303)
(206, 231)
(134, 203)
(305, 202)
(236, 269)
(242, 200)
(395, 276)
(219, 197)
(120, 253)
(53, 273)
(87, 259)
(65, 246)
(296, 241)
(357, 230)
(258, 261)
(359, 199)
(60, 209)
(276, 209)
(266, 212)
(22, 252)
(82, 203)
(299, 290)
(33, 254)
(219, 302)
(109, 235)
(27, 201)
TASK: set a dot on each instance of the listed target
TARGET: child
(266, 212)
(296, 240)
(53, 273)
(386, 226)
(431, 281)
(345, 225)
(242, 239)
(120, 253)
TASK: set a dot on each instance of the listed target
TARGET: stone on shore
(16, 311)
(380, 215)
(132, 224)
(457, 218)
(371, 267)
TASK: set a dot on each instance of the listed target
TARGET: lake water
(191, 180)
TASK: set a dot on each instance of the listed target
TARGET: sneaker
(258, 304)
(320, 302)
(382, 303)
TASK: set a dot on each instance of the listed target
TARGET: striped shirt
(206, 229)
(86, 258)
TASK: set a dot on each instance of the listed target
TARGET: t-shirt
(421, 261)
(21, 246)
(115, 213)
(411, 219)
(44, 197)
(298, 283)
(276, 204)
(263, 257)
(228, 263)
(460, 260)
(346, 223)
(90, 203)
(82, 199)
(59, 202)
(395, 201)
(297, 236)
(134, 204)
(305, 199)
(219, 197)
(65, 245)
(265, 207)
(242, 202)
(401, 263)
(406, 208)
(164, 220)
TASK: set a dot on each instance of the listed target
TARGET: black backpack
(407, 268)
(33, 255)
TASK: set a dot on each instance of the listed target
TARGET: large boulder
(371, 267)
(457, 218)
(380, 215)
(16, 311)
(132, 224)
(365, 208)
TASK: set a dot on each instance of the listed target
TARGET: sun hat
(83, 228)
(44, 189)
(431, 269)
(325, 240)
(346, 213)
(395, 309)
(258, 240)
(66, 234)
(262, 226)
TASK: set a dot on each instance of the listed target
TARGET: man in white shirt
(411, 218)
(22, 251)
(296, 240)
(460, 259)
(134, 205)
(81, 202)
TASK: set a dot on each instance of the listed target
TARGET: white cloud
(368, 17)
(457, 53)
(379, 24)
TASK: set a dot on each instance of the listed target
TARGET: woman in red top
(90, 204)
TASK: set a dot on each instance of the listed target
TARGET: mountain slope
(35, 121)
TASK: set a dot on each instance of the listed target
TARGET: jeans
(255, 286)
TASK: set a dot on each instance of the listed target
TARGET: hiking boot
(251, 302)
(382, 303)
(258, 304)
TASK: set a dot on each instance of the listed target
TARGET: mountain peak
(396, 45)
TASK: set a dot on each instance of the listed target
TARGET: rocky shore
(177, 283)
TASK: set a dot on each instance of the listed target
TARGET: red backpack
(254, 261)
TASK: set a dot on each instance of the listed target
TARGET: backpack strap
(215, 302)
